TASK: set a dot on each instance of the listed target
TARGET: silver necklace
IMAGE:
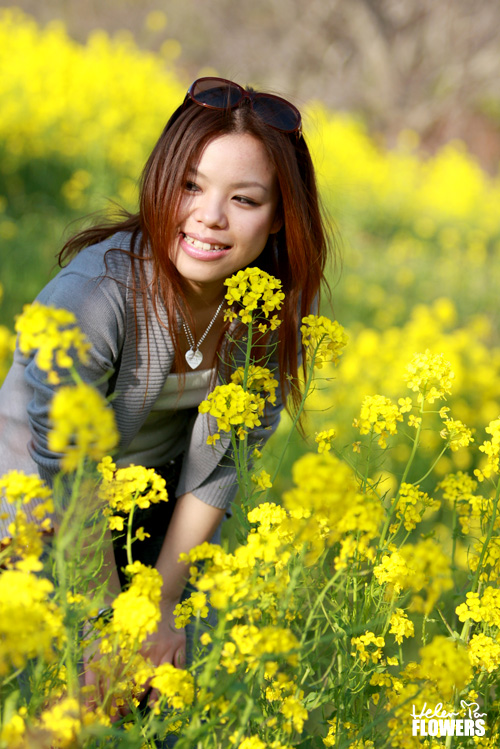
(194, 357)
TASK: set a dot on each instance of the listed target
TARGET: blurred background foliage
(402, 112)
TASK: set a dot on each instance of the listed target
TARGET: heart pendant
(194, 358)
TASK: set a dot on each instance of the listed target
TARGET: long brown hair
(297, 254)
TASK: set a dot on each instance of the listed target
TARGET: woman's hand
(167, 644)
(95, 680)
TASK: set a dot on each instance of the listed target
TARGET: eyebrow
(235, 185)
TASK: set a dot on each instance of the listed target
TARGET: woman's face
(227, 211)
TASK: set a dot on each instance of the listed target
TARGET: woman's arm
(192, 523)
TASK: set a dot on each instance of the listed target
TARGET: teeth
(204, 245)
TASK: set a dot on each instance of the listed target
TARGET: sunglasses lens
(277, 113)
(214, 92)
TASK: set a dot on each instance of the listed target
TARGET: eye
(191, 186)
(245, 201)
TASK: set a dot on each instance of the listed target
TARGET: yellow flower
(456, 434)
(405, 405)
(429, 375)
(252, 742)
(30, 623)
(324, 440)
(234, 408)
(368, 647)
(136, 611)
(323, 339)
(412, 504)
(82, 425)
(176, 684)
(401, 626)
(250, 643)
(418, 567)
(254, 291)
(445, 662)
(123, 487)
(54, 335)
(116, 523)
(295, 712)
(195, 604)
(378, 414)
(491, 448)
(481, 609)
(13, 731)
(263, 480)
(259, 380)
(63, 721)
(25, 539)
(328, 506)
(17, 486)
(484, 652)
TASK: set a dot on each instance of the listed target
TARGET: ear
(277, 223)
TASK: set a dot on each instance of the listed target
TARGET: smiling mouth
(205, 246)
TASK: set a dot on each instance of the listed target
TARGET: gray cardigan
(102, 302)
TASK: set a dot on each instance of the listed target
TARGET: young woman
(229, 184)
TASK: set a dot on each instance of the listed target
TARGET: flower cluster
(233, 407)
(249, 581)
(429, 375)
(31, 624)
(83, 425)
(250, 643)
(484, 608)
(55, 337)
(136, 611)
(259, 380)
(412, 503)
(175, 684)
(368, 647)
(401, 626)
(24, 543)
(484, 652)
(378, 414)
(323, 339)
(458, 490)
(123, 488)
(324, 440)
(420, 567)
(456, 434)
(262, 479)
(445, 663)
(329, 507)
(254, 293)
(491, 448)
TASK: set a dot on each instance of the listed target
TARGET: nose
(210, 211)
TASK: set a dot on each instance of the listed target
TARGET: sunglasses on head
(219, 93)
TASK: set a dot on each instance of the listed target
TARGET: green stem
(247, 353)
(419, 481)
(487, 539)
(317, 603)
(416, 443)
(368, 461)
(129, 534)
(394, 505)
(63, 539)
